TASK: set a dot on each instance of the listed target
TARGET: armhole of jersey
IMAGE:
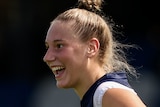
(102, 88)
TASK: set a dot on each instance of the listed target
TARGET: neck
(88, 79)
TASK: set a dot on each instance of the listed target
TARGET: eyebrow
(54, 41)
(57, 40)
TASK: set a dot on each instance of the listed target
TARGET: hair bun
(90, 5)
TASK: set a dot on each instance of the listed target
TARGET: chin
(62, 85)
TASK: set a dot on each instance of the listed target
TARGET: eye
(46, 46)
(59, 46)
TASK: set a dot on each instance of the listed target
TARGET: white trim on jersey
(102, 88)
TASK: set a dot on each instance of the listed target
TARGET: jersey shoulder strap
(103, 87)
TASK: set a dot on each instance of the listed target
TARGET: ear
(93, 47)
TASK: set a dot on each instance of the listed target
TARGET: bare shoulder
(117, 97)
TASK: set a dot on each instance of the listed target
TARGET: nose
(49, 56)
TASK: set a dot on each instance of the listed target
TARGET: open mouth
(58, 70)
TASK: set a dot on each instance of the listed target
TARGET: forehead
(60, 30)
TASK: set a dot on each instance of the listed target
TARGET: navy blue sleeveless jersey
(120, 77)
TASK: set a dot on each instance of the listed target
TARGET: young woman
(83, 54)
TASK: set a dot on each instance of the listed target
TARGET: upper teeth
(56, 68)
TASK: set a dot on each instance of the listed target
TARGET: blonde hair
(88, 22)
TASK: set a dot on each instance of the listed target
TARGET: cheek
(71, 54)
(73, 57)
(75, 63)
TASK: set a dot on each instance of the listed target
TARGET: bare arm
(116, 97)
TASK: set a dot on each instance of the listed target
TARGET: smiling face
(66, 55)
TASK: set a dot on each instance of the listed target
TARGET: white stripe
(102, 88)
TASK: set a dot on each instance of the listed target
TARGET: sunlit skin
(77, 58)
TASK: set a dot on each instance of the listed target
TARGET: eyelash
(57, 46)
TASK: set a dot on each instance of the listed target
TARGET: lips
(58, 71)
(58, 68)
